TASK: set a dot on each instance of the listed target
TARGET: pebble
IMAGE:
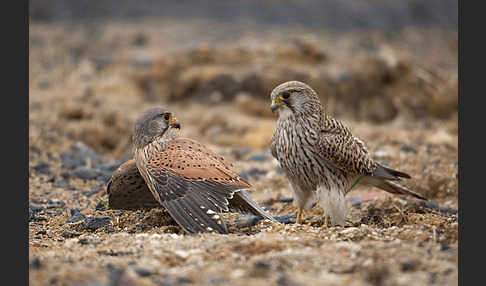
(240, 152)
(216, 280)
(184, 280)
(100, 206)
(95, 191)
(69, 234)
(279, 170)
(142, 272)
(260, 157)
(246, 220)
(260, 268)
(62, 183)
(36, 263)
(355, 202)
(408, 266)
(406, 148)
(84, 173)
(141, 63)
(286, 200)
(78, 155)
(286, 219)
(43, 84)
(36, 209)
(75, 216)
(93, 223)
(445, 246)
(42, 168)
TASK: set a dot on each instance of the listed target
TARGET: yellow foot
(299, 216)
(325, 221)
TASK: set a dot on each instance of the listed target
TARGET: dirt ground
(88, 84)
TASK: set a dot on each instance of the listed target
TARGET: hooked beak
(274, 105)
(175, 123)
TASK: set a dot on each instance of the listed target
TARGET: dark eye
(285, 95)
(167, 116)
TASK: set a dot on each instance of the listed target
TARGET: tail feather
(391, 187)
(389, 174)
(241, 201)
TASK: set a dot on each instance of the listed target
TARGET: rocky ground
(88, 84)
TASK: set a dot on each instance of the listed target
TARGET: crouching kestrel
(322, 160)
(193, 183)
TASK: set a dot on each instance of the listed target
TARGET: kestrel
(192, 182)
(322, 160)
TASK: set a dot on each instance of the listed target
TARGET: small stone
(184, 280)
(408, 149)
(94, 191)
(355, 202)
(286, 200)
(141, 216)
(79, 155)
(36, 263)
(93, 223)
(84, 173)
(444, 247)
(259, 157)
(279, 170)
(408, 266)
(41, 232)
(141, 63)
(69, 234)
(62, 183)
(140, 40)
(100, 206)
(36, 209)
(286, 219)
(216, 280)
(240, 152)
(260, 268)
(246, 220)
(43, 84)
(142, 272)
(42, 168)
(109, 230)
(119, 213)
(75, 216)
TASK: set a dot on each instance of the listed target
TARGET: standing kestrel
(322, 160)
(193, 183)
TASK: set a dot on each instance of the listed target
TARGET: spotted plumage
(322, 160)
(193, 183)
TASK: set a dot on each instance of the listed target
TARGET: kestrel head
(294, 98)
(152, 124)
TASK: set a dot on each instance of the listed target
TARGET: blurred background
(95, 65)
(387, 69)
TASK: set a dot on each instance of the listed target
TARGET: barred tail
(391, 187)
(241, 201)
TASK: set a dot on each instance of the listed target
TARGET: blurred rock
(246, 220)
(93, 223)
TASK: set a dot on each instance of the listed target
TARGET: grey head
(295, 98)
(152, 124)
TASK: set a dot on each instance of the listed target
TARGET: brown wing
(193, 183)
(127, 189)
(340, 148)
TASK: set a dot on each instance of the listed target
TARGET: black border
(15, 141)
